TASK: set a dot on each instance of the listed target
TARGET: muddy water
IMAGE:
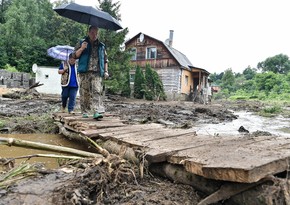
(10, 152)
(277, 125)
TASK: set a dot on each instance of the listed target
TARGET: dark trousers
(69, 94)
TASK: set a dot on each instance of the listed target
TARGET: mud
(113, 180)
(93, 182)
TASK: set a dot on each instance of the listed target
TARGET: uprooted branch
(37, 145)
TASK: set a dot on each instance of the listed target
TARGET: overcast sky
(214, 34)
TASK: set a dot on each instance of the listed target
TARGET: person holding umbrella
(69, 83)
(92, 69)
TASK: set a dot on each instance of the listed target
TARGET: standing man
(92, 68)
(209, 93)
(69, 83)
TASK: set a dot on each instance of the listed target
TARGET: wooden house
(179, 77)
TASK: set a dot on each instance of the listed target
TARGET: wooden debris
(37, 145)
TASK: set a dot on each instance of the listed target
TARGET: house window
(133, 52)
(151, 53)
(186, 80)
(132, 78)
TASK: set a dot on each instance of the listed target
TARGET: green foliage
(149, 83)
(269, 111)
(10, 68)
(237, 97)
(228, 80)
(249, 86)
(267, 82)
(139, 84)
(239, 81)
(240, 95)
(249, 73)
(30, 28)
(276, 64)
(223, 94)
(154, 87)
(126, 89)
(149, 86)
(119, 59)
(112, 86)
(216, 77)
(2, 124)
(267, 85)
(4, 6)
(25, 21)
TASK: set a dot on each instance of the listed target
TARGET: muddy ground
(111, 181)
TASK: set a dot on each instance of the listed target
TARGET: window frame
(134, 51)
(149, 52)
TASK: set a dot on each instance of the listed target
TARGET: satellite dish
(141, 37)
(34, 68)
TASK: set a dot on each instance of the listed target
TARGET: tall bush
(154, 87)
(139, 83)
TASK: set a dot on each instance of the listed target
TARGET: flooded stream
(251, 122)
(9, 152)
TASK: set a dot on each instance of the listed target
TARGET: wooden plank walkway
(230, 158)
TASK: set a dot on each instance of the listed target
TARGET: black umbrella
(88, 15)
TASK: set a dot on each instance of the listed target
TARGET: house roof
(180, 57)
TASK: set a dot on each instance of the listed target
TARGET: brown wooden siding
(155, 63)
(163, 58)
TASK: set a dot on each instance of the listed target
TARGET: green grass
(271, 111)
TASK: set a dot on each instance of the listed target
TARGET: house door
(195, 83)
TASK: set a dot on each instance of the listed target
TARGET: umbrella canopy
(60, 52)
(88, 15)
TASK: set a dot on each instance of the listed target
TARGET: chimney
(170, 37)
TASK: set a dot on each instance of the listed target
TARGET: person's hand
(84, 45)
(106, 75)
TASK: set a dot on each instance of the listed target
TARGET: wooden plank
(133, 130)
(160, 139)
(237, 159)
(78, 124)
(178, 143)
(230, 158)
(107, 133)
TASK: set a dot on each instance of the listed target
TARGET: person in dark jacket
(92, 69)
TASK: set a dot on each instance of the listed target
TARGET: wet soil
(109, 181)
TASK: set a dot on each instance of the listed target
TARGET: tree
(25, 21)
(216, 78)
(153, 85)
(139, 83)
(267, 81)
(249, 73)
(126, 88)
(239, 82)
(4, 4)
(30, 28)
(277, 64)
(119, 59)
(228, 80)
